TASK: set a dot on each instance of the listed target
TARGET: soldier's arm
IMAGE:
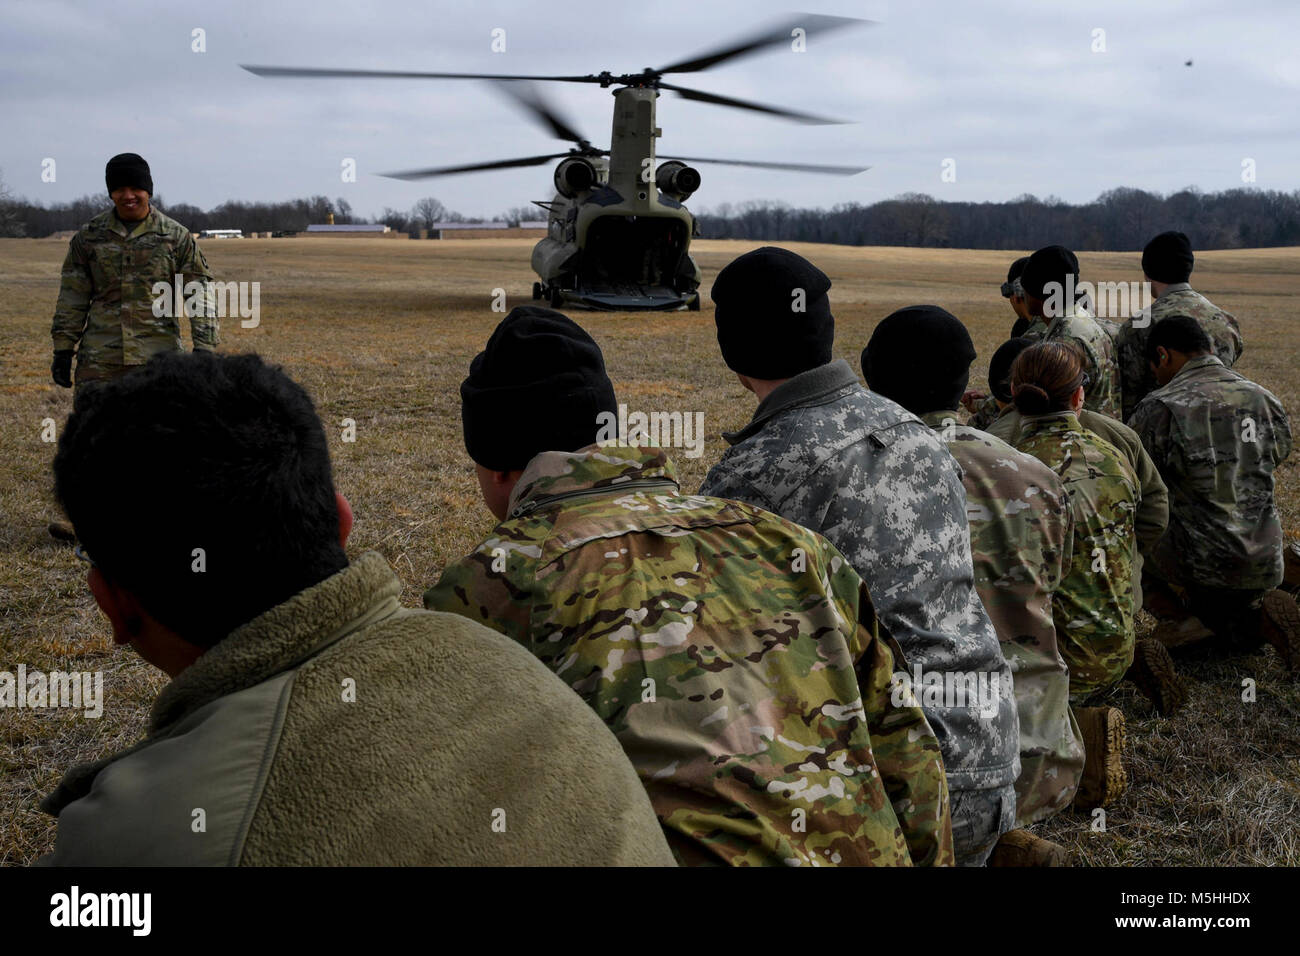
(205, 327)
(906, 750)
(1282, 435)
(723, 482)
(492, 586)
(1152, 422)
(75, 291)
(1152, 516)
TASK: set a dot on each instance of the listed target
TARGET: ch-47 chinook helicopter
(618, 232)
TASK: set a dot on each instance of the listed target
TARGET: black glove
(61, 370)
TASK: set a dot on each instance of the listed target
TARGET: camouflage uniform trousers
(1232, 614)
(88, 375)
(979, 818)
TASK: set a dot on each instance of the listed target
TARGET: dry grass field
(382, 332)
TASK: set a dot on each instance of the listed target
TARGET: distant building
(221, 234)
(355, 230)
(486, 230)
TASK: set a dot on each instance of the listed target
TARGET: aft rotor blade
(703, 97)
(773, 36)
(404, 74)
(530, 97)
(796, 167)
(410, 174)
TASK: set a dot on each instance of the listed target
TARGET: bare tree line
(1120, 219)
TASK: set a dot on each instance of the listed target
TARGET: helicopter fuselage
(615, 239)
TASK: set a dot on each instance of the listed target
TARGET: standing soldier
(735, 655)
(1217, 437)
(1167, 264)
(106, 315)
(1022, 536)
(1049, 275)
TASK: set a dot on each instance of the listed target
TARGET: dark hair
(1044, 376)
(1011, 287)
(222, 453)
(1182, 333)
(1000, 366)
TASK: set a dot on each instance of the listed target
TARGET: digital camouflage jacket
(825, 453)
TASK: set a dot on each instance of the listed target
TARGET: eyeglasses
(1087, 380)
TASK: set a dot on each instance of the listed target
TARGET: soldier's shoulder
(979, 450)
(96, 226)
(166, 224)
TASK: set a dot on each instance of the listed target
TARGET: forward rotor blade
(530, 97)
(797, 167)
(411, 174)
(404, 75)
(773, 36)
(807, 118)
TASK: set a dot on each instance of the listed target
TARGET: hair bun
(1032, 399)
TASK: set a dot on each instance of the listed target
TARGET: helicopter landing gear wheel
(694, 304)
(537, 290)
(557, 298)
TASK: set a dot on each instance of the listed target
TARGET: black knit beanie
(1049, 264)
(537, 386)
(762, 331)
(128, 169)
(920, 358)
(1000, 367)
(1168, 258)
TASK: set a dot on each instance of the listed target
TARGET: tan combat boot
(1104, 780)
(1279, 622)
(1291, 566)
(1154, 673)
(1022, 848)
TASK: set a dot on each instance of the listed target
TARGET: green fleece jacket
(340, 728)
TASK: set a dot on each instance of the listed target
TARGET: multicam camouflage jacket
(1216, 437)
(985, 414)
(1152, 516)
(1093, 606)
(106, 298)
(1136, 378)
(825, 453)
(1021, 538)
(735, 656)
(1098, 347)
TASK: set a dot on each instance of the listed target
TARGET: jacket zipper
(531, 506)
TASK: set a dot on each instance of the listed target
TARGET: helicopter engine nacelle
(574, 176)
(676, 179)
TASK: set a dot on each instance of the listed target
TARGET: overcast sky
(1011, 91)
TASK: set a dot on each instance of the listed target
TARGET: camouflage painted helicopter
(618, 232)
